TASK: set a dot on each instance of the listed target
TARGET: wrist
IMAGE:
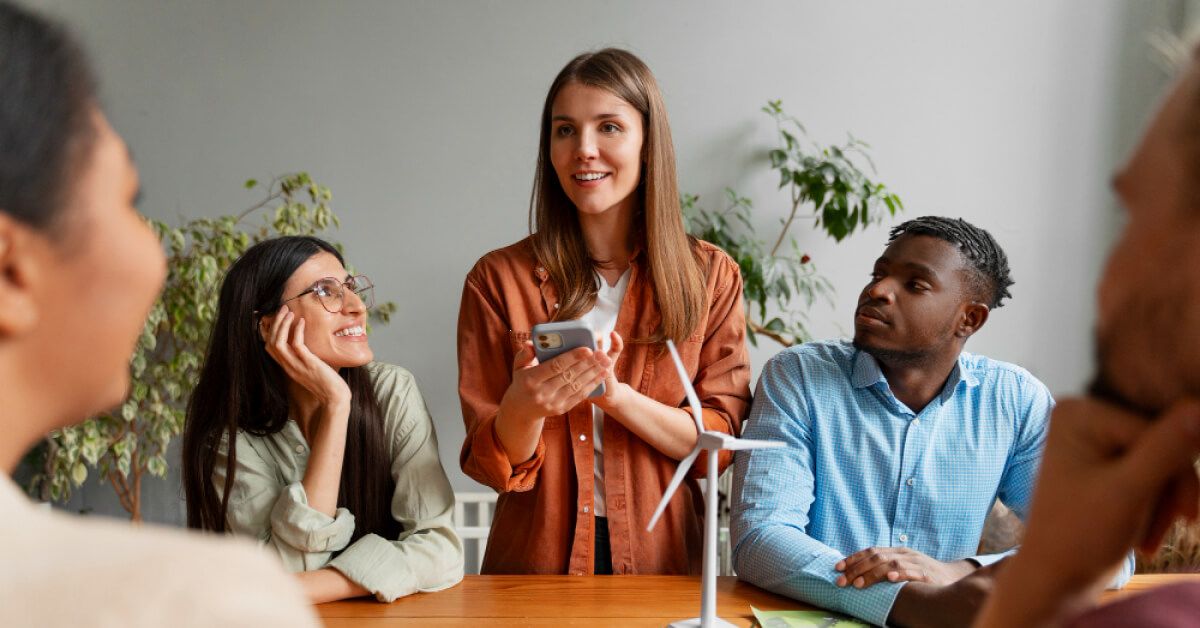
(615, 398)
(912, 602)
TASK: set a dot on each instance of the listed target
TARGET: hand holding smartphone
(552, 339)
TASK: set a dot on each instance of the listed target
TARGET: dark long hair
(47, 103)
(676, 269)
(241, 387)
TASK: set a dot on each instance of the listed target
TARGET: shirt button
(911, 481)
(916, 421)
(587, 509)
(582, 437)
(903, 538)
(299, 449)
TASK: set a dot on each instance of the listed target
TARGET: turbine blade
(680, 472)
(745, 443)
(693, 399)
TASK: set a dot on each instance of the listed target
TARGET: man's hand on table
(898, 564)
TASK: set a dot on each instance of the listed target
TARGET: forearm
(1030, 594)
(322, 477)
(518, 435)
(808, 573)
(328, 585)
(668, 429)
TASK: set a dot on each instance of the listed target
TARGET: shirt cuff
(872, 604)
(488, 463)
(983, 560)
(369, 564)
(306, 529)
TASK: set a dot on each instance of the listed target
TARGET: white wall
(422, 118)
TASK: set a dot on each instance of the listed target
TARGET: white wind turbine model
(713, 442)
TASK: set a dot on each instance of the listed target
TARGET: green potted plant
(125, 445)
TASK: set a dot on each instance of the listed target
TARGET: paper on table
(804, 619)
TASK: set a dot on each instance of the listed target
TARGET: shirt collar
(865, 372)
(543, 275)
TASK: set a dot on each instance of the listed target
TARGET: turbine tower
(713, 442)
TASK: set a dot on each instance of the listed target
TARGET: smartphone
(552, 339)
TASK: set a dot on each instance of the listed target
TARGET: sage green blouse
(268, 502)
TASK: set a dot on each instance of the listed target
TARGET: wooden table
(585, 601)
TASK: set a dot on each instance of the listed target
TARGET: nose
(351, 302)
(880, 290)
(585, 149)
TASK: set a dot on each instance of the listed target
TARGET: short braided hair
(986, 260)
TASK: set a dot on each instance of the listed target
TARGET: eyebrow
(921, 269)
(601, 116)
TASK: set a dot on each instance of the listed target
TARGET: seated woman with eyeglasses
(295, 437)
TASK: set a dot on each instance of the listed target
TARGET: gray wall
(422, 118)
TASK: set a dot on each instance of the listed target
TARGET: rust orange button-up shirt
(544, 520)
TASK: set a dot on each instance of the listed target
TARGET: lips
(590, 178)
(867, 313)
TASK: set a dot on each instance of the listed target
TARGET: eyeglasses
(331, 292)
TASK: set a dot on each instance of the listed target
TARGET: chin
(115, 392)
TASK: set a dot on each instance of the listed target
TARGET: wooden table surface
(586, 601)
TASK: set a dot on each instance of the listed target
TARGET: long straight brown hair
(675, 266)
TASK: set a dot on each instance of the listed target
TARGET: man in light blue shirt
(898, 443)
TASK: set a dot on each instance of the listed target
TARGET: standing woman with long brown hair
(579, 478)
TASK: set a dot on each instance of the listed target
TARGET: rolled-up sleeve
(484, 374)
(278, 515)
(723, 380)
(428, 555)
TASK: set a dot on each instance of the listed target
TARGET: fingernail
(840, 566)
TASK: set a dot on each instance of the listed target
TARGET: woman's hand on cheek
(285, 344)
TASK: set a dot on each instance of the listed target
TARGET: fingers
(891, 571)
(569, 362)
(1178, 500)
(575, 386)
(1165, 450)
(1110, 429)
(615, 346)
(860, 563)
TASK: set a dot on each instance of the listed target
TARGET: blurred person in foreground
(79, 270)
(1119, 464)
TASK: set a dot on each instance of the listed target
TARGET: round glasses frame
(331, 292)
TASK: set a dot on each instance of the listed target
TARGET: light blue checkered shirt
(862, 470)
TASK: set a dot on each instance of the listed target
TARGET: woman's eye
(609, 127)
(563, 131)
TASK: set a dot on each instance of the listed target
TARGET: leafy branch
(825, 185)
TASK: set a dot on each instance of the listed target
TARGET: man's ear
(974, 315)
(23, 256)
